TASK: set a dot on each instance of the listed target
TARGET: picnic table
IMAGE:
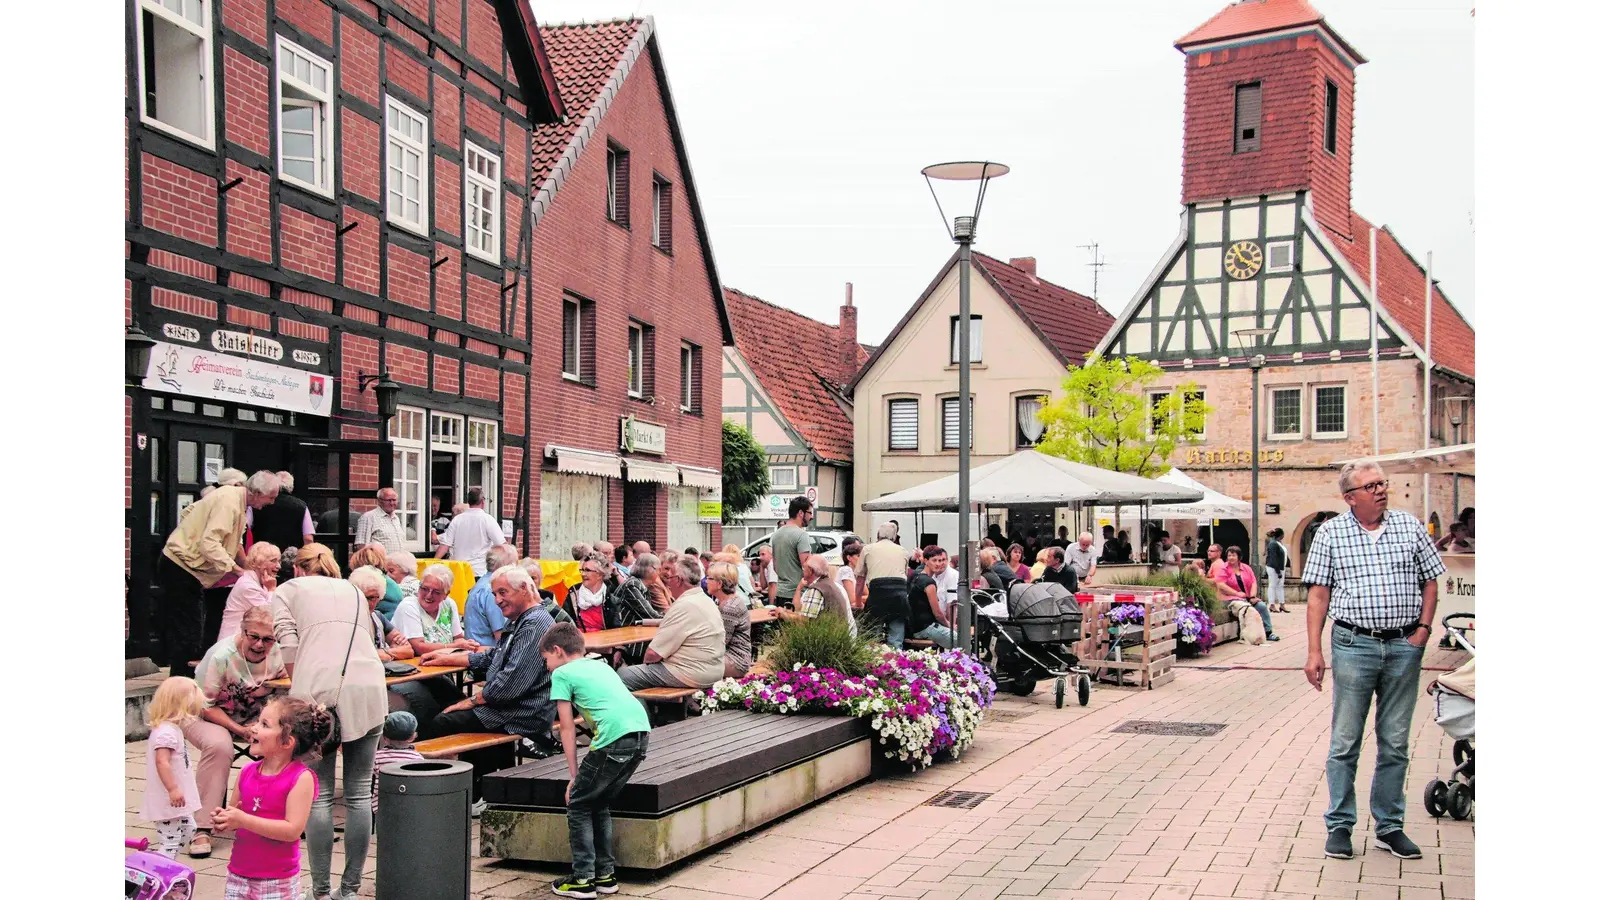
(423, 672)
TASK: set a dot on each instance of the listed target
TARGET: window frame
(321, 100)
(689, 378)
(660, 225)
(1152, 397)
(944, 420)
(1240, 143)
(576, 305)
(1273, 434)
(975, 338)
(471, 179)
(1043, 397)
(916, 423)
(617, 176)
(1204, 422)
(408, 432)
(489, 453)
(1330, 117)
(390, 137)
(636, 360)
(773, 483)
(204, 32)
(1344, 395)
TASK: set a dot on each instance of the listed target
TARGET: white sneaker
(479, 807)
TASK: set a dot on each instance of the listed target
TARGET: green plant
(1187, 584)
(824, 642)
(1104, 417)
(744, 471)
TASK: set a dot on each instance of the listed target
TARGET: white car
(826, 543)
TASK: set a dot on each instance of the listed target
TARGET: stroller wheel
(1435, 798)
(1061, 692)
(1083, 690)
(1459, 801)
(1461, 751)
(1022, 687)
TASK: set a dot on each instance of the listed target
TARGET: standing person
(790, 547)
(722, 586)
(324, 629)
(381, 524)
(850, 556)
(1277, 564)
(254, 587)
(438, 520)
(171, 797)
(1082, 558)
(690, 646)
(818, 594)
(1375, 573)
(286, 522)
(884, 570)
(199, 553)
(1168, 557)
(471, 533)
(266, 854)
(928, 621)
(621, 729)
(1237, 581)
(766, 575)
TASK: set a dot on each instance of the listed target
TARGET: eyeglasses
(1371, 487)
(265, 640)
(592, 572)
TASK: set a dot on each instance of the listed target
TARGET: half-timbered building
(1267, 239)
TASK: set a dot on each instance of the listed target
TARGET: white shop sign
(201, 372)
(643, 437)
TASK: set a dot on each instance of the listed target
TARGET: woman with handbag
(325, 632)
(1236, 581)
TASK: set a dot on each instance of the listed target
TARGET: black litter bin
(424, 830)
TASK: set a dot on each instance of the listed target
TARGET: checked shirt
(1374, 585)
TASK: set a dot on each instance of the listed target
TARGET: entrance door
(338, 481)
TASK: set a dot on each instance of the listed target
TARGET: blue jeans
(1364, 667)
(358, 756)
(1266, 616)
(601, 777)
(895, 633)
(939, 634)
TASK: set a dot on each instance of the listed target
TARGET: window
(482, 193)
(1330, 117)
(617, 184)
(1196, 398)
(408, 167)
(1284, 413)
(1030, 427)
(952, 423)
(572, 339)
(1156, 398)
(635, 360)
(661, 207)
(689, 375)
(1280, 256)
(483, 453)
(406, 433)
(305, 118)
(903, 424)
(976, 340)
(1328, 412)
(175, 67)
(1247, 117)
(782, 478)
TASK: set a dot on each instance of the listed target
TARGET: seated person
(586, 600)
(431, 621)
(818, 594)
(928, 622)
(1454, 541)
(254, 587)
(1056, 570)
(233, 676)
(997, 574)
(632, 602)
(547, 600)
(1236, 581)
(401, 567)
(1204, 566)
(689, 648)
(374, 555)
(388, 641)
(722, 585)
(482, 621)
(396, 746)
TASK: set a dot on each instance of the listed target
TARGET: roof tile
(583, 56)
(1071, 323)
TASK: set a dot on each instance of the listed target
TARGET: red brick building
(318, 191)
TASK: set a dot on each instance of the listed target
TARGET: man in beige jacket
(200, 551)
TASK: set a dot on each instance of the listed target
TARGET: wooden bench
(918, 644)
(656, 697)
(703, 781)
(453, 745)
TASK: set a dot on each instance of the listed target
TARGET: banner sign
(203, 373)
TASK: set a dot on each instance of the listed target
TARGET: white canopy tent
(1214, 505)
(1033, 477)
(1460, 459)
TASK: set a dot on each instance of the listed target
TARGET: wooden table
(764, 614)
(423, 672)
(612, 638)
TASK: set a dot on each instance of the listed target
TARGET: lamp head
(965, 227)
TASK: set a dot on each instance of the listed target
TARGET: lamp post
(963, 230)
(1457, 412)
(1256, 363)
(388, 394)
(136, 349)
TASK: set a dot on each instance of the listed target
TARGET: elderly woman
(374, 555)
(1014, 556)
(547, 600)
(324, 631)
(586, 600)
(1237, 581)
(254, 587)
(722, 582)
(431, 621)
(997, 574)
(401, 567)
(389, 642)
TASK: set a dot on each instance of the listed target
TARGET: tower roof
(1248, 18)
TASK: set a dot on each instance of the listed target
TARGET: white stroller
(1454, 705)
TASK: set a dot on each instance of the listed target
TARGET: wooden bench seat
(453, 745)
(665, 694)
(918, 644)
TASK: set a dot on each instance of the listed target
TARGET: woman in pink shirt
(254, 587)
(1237, 581)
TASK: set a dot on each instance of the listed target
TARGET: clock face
(1243, 260)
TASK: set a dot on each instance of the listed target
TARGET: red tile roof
(584, 57)
(798, 363)
(1070, 323)
(1252, 17)
(1402, 294)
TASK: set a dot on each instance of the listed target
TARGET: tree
(744, 471)
(1104, 417)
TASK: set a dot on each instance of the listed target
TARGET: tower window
(1247, 117)
(1330, 117)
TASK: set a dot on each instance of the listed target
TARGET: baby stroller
(1454, 710)
(1026, 633)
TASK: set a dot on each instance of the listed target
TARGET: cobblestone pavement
(1076, 811)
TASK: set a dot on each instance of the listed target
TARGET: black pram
(1027, 633)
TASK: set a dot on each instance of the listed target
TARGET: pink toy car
(151, 876)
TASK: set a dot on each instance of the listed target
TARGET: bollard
(424, 830)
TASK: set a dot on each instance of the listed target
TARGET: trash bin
(424, 830)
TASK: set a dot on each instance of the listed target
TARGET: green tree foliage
(1104, 417)
(744, 471)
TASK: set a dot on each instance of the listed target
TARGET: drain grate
(1007, 715)
(1169, 729)
(958, 799)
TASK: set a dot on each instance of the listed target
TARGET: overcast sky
(807, 125)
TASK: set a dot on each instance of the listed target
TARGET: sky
(807, 126)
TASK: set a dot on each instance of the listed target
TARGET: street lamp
(388, 394)
(136, 349)
(1256, 363)
(963, 230)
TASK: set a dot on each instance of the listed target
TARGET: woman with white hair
(401, 567)
(431, 621)
(254, 587)
(389, 642)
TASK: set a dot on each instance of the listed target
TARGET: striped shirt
(1374, 583)
(383, 757)
(516, 685)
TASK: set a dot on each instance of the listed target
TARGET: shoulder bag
(335, 733)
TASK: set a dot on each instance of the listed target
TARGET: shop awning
(694, 476)
(585, 462)
(660, 473)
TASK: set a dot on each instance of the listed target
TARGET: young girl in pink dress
(170, 794)
(272, 803)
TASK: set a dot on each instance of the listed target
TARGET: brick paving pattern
(1077, 811)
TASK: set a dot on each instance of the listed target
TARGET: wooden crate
(1148, 664)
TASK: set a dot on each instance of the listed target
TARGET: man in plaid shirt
(1374, 571)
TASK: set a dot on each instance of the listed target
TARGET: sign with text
(1271, 509)
(643, 437)
(248, 344)
(206, 374)
(1228, 456)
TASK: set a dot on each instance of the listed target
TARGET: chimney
(1027, 264)
(848, 360)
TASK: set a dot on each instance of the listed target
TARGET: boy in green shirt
(621, 729)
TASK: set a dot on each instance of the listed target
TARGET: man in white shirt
(471, 534)
(382, 525)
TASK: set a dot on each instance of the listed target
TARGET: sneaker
(582, 888)
(1397, 843)
(1339, 846)
(606, 884)
(1273, 637)
(479, 807)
